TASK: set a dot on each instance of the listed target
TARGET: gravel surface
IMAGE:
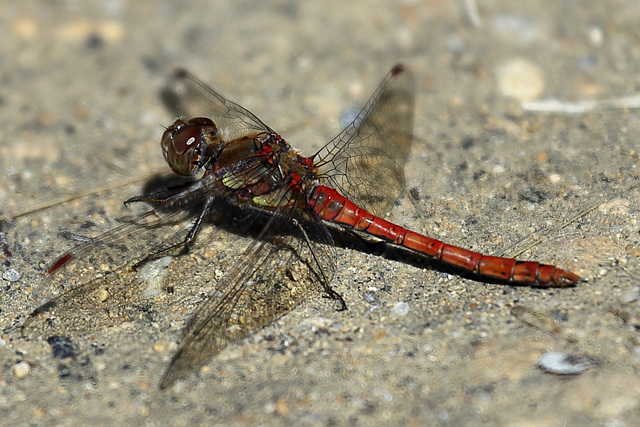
(527, 145)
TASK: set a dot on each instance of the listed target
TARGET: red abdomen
(334, 207)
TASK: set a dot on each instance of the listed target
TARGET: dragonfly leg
(186, 243)
(330, 293)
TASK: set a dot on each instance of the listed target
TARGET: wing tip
(398, 69)
(179, 73)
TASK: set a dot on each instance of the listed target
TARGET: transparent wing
(366, 160)
(283, 266)
(159, 288)
(131, 242)
(107, 301)
(96, 283)
(190, 97)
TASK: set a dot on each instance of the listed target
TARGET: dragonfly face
(185, 144)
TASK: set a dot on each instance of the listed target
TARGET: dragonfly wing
(190, 97)
(131, 242)
(282, 267)
(101, 303)
(99, 287)
(366, 160)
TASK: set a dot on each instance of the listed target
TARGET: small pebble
(21, 369)
(103, 295)
(11, 275)
(401, 309)
(62, 347)
(153, 274)
(564, 364)
(520, 79)
(595, 35)
(415, 192)
(631, 296)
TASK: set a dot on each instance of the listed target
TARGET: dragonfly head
(184, 144)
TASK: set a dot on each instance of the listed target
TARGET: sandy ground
(80, 112)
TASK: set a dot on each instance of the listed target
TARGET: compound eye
(186, 138)
(181, 147)
(202, 121)
(209, 130)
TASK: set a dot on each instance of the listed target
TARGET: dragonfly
(232, 161)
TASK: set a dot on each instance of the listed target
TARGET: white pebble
(520, 79)
(11, 275)
(563, 364)
(401, 309)
(153, 274)
(21, 369)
